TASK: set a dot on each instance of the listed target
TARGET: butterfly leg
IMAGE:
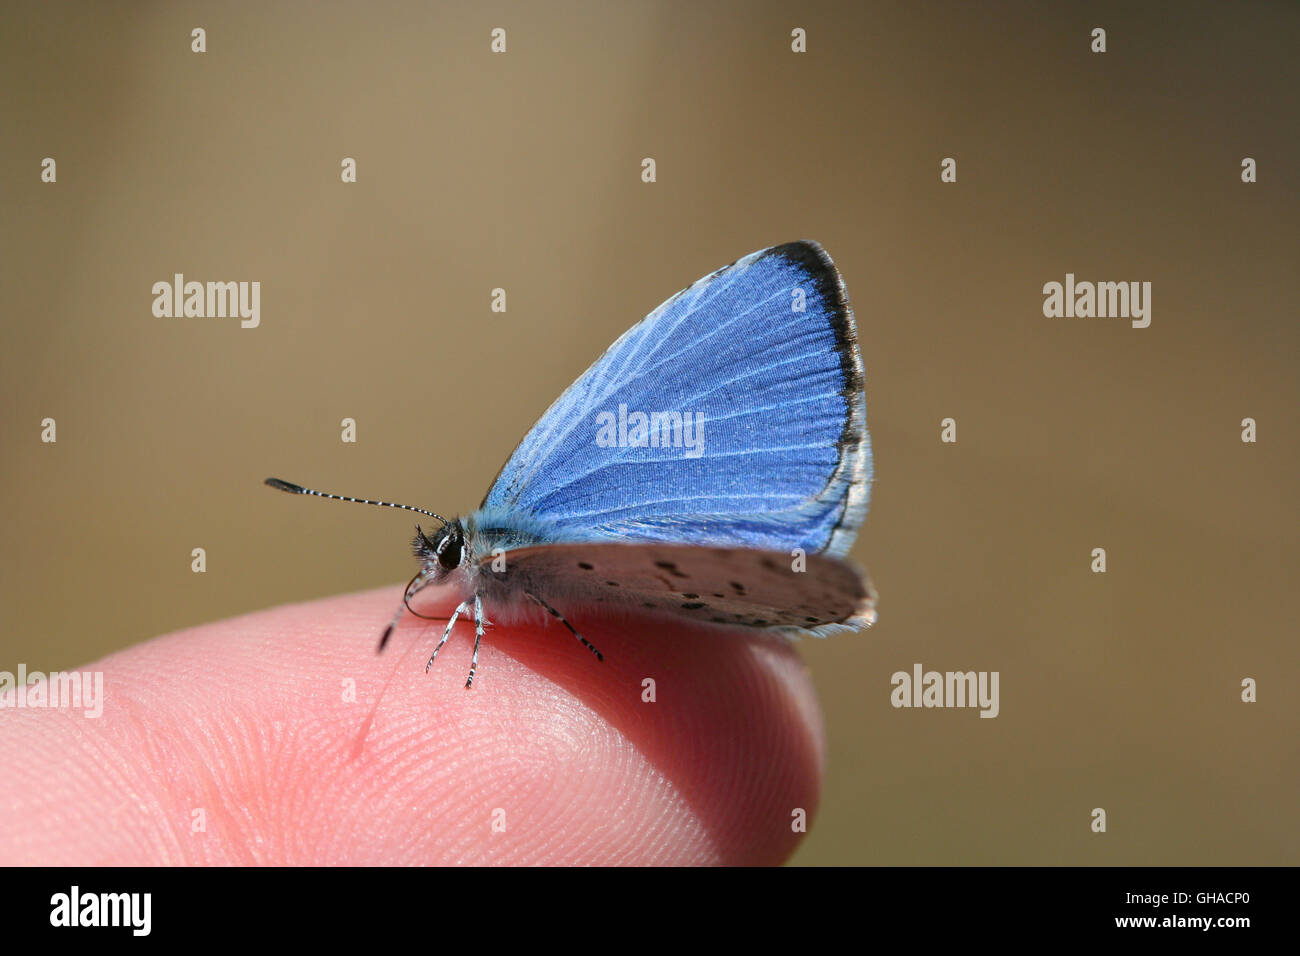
(388, 631)
(479, 623)
(461, 608)
(556, 614)
(413, 587)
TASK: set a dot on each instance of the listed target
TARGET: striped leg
(461, 608)
(556, 614)
(392, 625)
(479, 623)
(388, 631)
(413, 587)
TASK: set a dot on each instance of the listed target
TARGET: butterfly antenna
(293, 489)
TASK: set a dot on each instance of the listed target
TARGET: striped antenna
(300, 490)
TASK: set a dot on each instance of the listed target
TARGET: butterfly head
(443, 551)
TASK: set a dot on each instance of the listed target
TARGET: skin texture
(247, 719)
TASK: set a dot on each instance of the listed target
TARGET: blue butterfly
(712, 465)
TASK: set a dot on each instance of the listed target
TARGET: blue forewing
(764, 354)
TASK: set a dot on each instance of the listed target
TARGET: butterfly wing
(763, 357)
(738, 587)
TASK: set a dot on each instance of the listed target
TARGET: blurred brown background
(522, 171)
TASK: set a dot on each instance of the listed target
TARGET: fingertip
(296, 743)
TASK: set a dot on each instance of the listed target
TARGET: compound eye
(449, 552)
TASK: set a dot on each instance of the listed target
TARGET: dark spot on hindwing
(671, 568)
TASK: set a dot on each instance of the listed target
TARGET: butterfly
(713, 465)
